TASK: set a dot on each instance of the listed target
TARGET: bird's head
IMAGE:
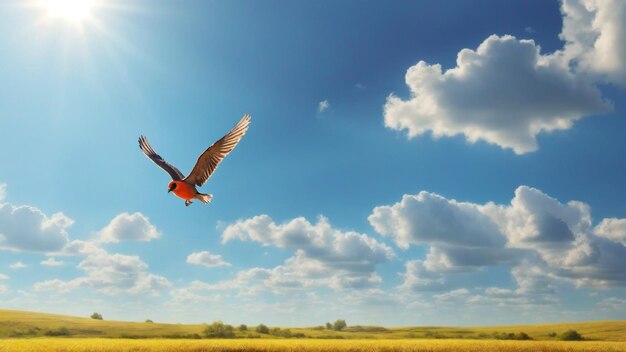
(171, 186)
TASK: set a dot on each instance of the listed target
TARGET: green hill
(30, 324)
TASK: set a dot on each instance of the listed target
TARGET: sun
(70, 10)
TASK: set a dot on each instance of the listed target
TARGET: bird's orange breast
(184, 190)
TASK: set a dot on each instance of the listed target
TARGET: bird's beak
(169, 190)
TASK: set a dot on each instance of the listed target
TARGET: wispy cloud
(207, 259)
(323, 105)
(18, 265)
(51, 262)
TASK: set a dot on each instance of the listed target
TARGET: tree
(219, 330)
(96, 315)
(243, 327)
(149, 321)
(329, 326)
(339, 324)
(571, 335)
(262, 329)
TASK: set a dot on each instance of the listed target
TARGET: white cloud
(417, 277)
(461, 237)
(613, 304)
(544, 240)
(595, 35)
(454, 295)
(110, 274)
(4, 277)
(504, 93)
(80, 247)
(206, 259)
(323, 105)
(320, 242)
(26, 228)
(3, 289)
(3, 191)
(129, 227)
(51, 262)
(324, 256)
(18, 265)
(613, 229)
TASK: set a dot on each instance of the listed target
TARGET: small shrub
(319, 327)
(219, 330)
(552, 334)
(360, 328)
(571, 335)
(132, 336)
(181, 336)
(286, 333)
(149, 321)
(58, 332)
(243, 327)
(97, 316)
(329, 326)
(32, 331)
(262, 329)
(510, 336)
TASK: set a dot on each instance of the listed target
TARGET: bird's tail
(204, 198)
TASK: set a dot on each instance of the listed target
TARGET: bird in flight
(185, 187)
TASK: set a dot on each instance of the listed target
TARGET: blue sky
(404, 159)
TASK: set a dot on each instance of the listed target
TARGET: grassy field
(20, 324)
(271, 345)
(26, 332)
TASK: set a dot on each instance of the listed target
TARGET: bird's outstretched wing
(208, 161)
(169, 168)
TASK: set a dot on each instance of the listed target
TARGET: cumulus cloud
(51, 262)
(542, 239)
(206, 259)
(26, 228)
(110, 274)
(320, 242)
(324, 256)
(595, 36)
(3, 191)
(417, 277)
(460, 235)
(505, 93)
(3, 289)
(4, 277)
(613, 229)
(323, 105)
(129, 227)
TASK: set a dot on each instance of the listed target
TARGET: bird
(185, 187)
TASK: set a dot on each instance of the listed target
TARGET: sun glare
(70, 10)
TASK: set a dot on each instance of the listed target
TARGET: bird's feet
(187, 202)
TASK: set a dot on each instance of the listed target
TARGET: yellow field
(270, 345)
(31, 324)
